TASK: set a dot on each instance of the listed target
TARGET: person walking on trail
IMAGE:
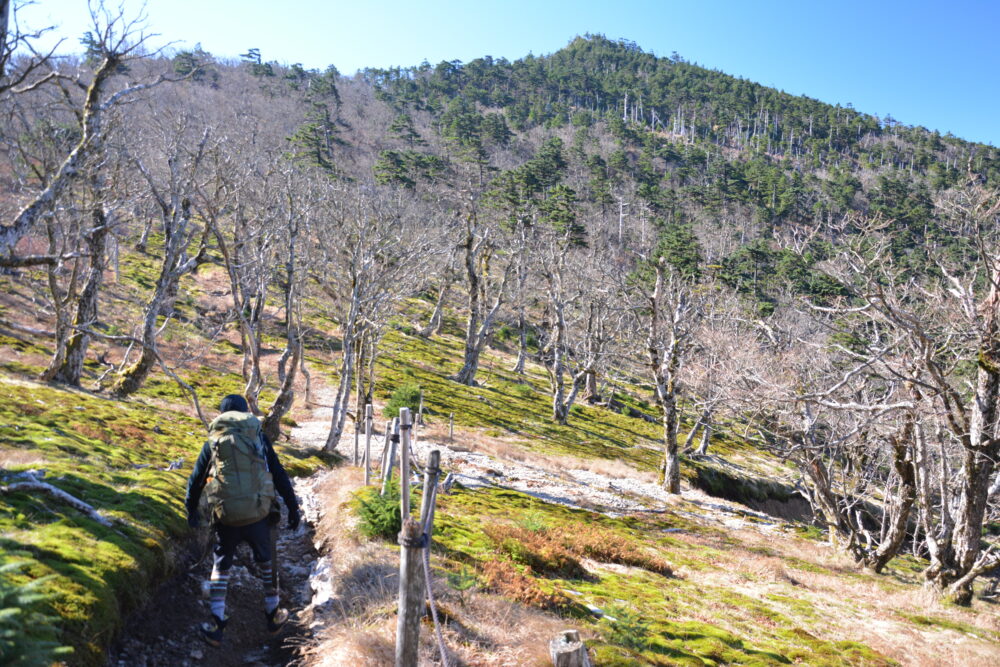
(239, 472)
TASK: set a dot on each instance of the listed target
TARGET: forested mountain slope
(594, 255)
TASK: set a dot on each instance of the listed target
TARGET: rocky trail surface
(165, 631)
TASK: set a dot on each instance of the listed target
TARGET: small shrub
(461, 581)
(379, 515)
(27, 636)
(628, 629)
(404, 396)
(504, 333)
(533, 522)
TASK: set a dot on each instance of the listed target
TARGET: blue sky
(935, 64)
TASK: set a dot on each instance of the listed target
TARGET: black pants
(257, 535)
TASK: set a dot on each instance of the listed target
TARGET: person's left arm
(282, 484)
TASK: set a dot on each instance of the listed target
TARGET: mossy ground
(113, 455)
(658, 619)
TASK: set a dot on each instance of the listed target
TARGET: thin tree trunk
(343, 398)
(522, 347)
(71, 368)
(904, 498)
(671, 458)
(436, 323)
(175, 243)
(706, 434)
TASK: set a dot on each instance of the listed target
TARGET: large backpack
(241, 490)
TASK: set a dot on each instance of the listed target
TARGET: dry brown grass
(20, 457)
(358, 626)
(851, 604)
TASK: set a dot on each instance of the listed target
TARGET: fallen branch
(31, 483)
(14, 326)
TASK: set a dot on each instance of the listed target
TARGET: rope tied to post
(433, 473)
(421, 541)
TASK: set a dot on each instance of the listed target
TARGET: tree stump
(567, 650)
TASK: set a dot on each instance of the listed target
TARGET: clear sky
(929, 63)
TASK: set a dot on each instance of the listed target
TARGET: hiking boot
(276, 620)
(211, 631)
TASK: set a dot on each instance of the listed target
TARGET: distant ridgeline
(692, 140)
(594, 77)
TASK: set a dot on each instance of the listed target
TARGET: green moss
(112, 455)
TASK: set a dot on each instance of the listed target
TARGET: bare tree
(169, 194)
(370, 251)
(117, 41)
(668, 312)
(33, 69)
(487, 288)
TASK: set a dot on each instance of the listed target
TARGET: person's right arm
(196, 483)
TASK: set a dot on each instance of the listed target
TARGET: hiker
(240, 472)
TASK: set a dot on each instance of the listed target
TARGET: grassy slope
(737, 597)
(714, 610)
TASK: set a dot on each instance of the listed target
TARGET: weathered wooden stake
(368, 444)
(385, 447)
(567, 650)
(430, 481)
(451, 427)
(405, 425)
(420, 409)
(391, 456)
(411, 580)
(411, 594)
(357, 431)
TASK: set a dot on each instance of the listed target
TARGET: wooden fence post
(420, 409)
(391, 456)
(430, 481)
(385, 447)
(368, 444)
(412, 541)
(567, 650)
(451, 427)
(405, 425)
(357, 430)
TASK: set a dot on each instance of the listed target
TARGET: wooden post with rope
(413, 540)
(368, 444)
